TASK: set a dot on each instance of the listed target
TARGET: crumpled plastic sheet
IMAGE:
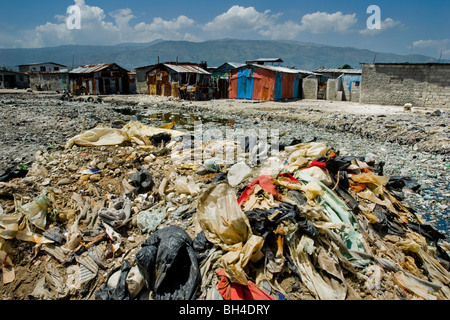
(338, 212)
(133, 131)
(225, 225)
(36, 211)
(149, 220)
(371, 178)
(118, 214)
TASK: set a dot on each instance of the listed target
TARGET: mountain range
(301, 55)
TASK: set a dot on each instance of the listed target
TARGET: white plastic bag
(225, 225)
(238, 173)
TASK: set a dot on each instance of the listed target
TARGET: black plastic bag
(386, 222)
(428, 230)
(294, 142)
(160, 139)
(169, 265)
(341, 163)
(342, 190)
(293, 212)
(142, 181)
(298, 197)
(13, 173)
(201, 246)
(259, 222)
(262, 225)
(399, 183)
(121, 291)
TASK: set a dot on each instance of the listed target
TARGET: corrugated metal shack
(221, 77)
(188, 81)
(261, 82)
(103, 79)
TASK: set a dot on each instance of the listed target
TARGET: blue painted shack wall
(278, 95)
(348, 79)
(296, 87)
(245, 84)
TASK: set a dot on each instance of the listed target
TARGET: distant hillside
(307, 56)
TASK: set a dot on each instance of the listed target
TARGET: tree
(4, 68)
(346, 66)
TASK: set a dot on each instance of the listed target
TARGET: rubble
(126, 215)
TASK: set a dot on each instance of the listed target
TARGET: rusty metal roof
(283, 69)
(41, 63)
(186, 68)
(270, 60)
(91, 68)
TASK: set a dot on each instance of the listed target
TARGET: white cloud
(99, 28)
(160, 24)
(122, 17)
(439, 44)
(175, 29)
(323, 22)
(433, 47)
(240, 18)
(387, 24)
(285, 31)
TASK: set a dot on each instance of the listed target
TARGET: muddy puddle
(180, 120)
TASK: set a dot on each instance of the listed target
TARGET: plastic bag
(133, 131)
(221, 217)
(308, 150)
(265, 182)
(235, 291)
(377, 181)
(225, 225)
(238, 173)
(212, 165)
(142, 181)
(98, 137)
(399, 183)
(340, 163)
(320, 175)
(338, 212)
(183, 186)
(36, 211)
(169, 265)
(148, 220)
(120, 291)
(119, 214)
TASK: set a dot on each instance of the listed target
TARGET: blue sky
(420, 27)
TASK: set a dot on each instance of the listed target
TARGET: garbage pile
(124, 214)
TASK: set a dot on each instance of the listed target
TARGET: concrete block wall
(332, 89)
(310, 88)
(355, 93)
(423, 85)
